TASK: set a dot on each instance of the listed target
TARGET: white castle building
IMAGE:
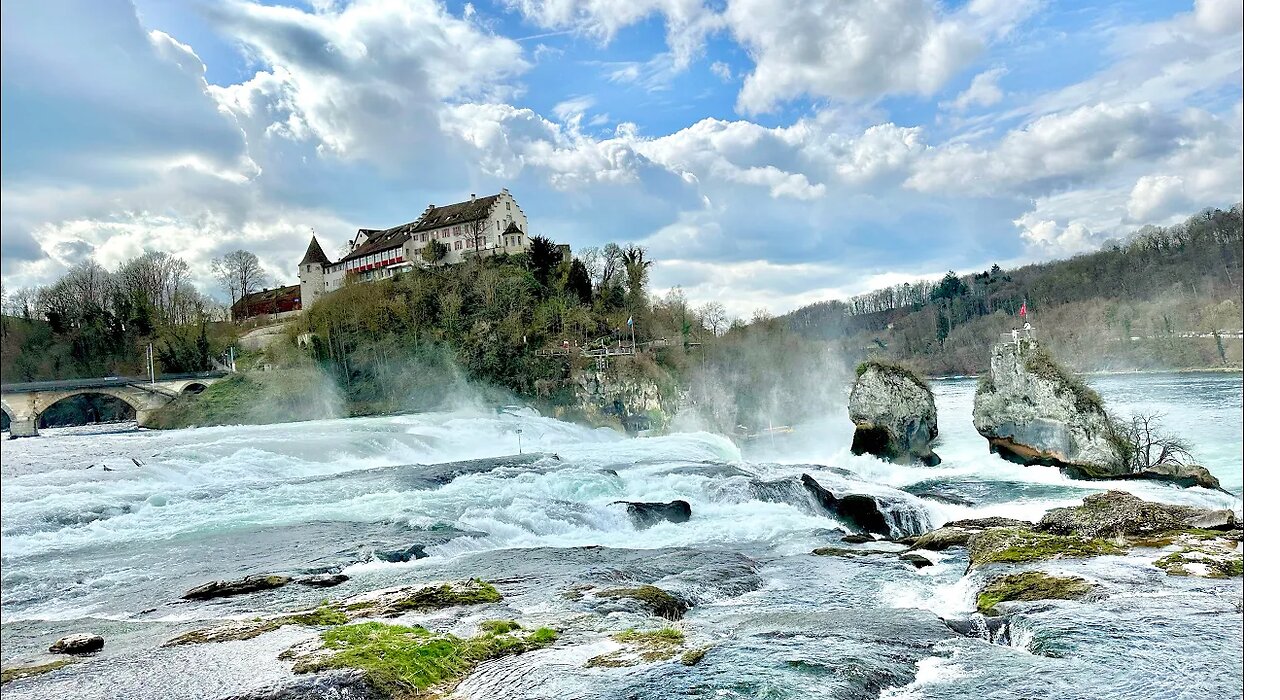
(490, 225)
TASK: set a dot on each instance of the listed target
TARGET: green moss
(1031, 585)
(323, 616)
(446, 595)
(13, 673)
(1039, 362)
(662, 603)
(401, 660)
(693, 656)
(499, 626)
(1015, 544)
(666, 635)
(1218, 563)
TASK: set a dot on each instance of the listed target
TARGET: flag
(1023, 311)
(630, 322)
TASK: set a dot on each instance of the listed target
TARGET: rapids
(95, 541)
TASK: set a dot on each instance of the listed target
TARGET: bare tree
(714, 317)
(473, 234)
(239, 272)
(1142, 444)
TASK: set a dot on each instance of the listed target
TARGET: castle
(490, 225)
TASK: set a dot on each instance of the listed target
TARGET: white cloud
(688, 21)
(721, 70)
(984, 91)
(1155, 197)
(1220, 16)
(858, 51)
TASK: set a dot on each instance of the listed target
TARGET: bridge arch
(48, 399)
(84, 407)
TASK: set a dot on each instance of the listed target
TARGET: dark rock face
(894, 415)
(323, 580)
(1119, 513)
(1184, 475)
(649, 514)
(81, 643)
(858, 510)
(248, 584)
(653, 599)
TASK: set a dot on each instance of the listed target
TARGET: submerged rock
(1184, 475)
(917, 560)
(1031, 585)
(346, 684)
(81, 643)
(893, 414)
(13, 673)
(651, 598)
(1032, 411)
(248, 584)
(323, 580)
(649, 514)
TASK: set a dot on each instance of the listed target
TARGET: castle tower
(311, 273)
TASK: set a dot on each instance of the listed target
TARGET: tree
(1142, 444)
(579, 282)
(637, 269)
(239, 272)
(473, 234)
(435, 251)
(544, 256)
(714, 317)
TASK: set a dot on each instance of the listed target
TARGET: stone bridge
(23, 403)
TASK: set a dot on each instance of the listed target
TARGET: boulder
(649, 514)
(248, 584)
(1185, 475)
(917, 560)
(858, 510)
(893, 414)
(81, 643)
(1118, 513)
(958, 532)
(1033, 411)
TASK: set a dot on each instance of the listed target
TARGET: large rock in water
(1118, 513)
(646, 515)
(1031, 411)
(893, 414)
(81, 643)
(248, 584)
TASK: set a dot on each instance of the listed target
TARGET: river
(103, 528)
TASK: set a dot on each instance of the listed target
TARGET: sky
(768, 153)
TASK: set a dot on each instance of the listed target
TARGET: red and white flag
(1023, 311)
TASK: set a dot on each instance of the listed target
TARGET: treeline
(1128, 306)
(96, 322)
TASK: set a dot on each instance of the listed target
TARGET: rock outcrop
(893, 414)
(77, 644)
(1031, 411)
(645, 515)
(248, 584)
(1121, 514)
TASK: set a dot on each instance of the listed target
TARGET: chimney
(430, 207)
(473, 196)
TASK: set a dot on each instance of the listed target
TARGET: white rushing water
(103, 526)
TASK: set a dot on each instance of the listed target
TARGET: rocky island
(893, 414)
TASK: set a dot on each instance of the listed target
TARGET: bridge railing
(90, 382)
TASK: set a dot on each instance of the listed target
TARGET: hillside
(1152, 302)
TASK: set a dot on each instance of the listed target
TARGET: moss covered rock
(1014, 545)
(654, 599)
(1118, 513)
(1031, 585)
(644, 646)
(13, 673)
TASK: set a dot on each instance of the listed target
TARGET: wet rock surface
(82, 643)
(649, 514)
(893, 413)
(248, 584)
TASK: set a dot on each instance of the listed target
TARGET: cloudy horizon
(768, 153)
